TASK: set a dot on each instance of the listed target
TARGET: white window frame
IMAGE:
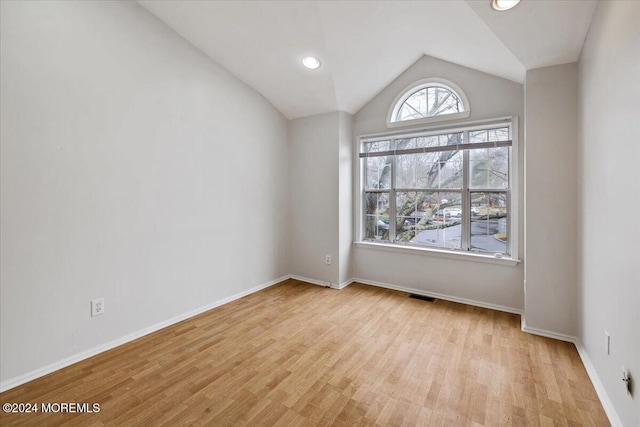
(513, 195)
(421, 84)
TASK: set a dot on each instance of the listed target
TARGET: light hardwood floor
(298, 354)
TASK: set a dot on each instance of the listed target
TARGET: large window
(446, 189)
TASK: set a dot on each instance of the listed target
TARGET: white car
(457, 212)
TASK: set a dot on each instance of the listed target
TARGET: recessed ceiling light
(502, 5)
(311, 62)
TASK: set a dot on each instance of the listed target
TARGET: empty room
(301, 213)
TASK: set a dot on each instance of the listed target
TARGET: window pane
(377, 146)
(489, 168)
(489, 135)
(429, 218)
(489, 222)
(414, 107)
(429, 170)
(429, 141)
(377, 216)
(442, 101)
(429, 102)
(378, 172)
(413, 214)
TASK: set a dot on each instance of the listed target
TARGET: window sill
(467, 256)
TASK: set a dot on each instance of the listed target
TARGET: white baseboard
(440, 296)
(345, 283)
(312, 281)
(321, 283)
(609, 409)
(591, 370)
(548, 334)
(37, 373)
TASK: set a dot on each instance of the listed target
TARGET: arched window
(429, 100)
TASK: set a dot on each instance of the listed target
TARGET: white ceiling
(365, 45)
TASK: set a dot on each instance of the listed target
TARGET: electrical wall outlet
(626, 377)
(97, 307)
(327, 259)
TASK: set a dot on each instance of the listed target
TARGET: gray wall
(550, 199)
(314, 197)
(133, 168)
(608, 293)
(321, 198)
(489, 97)
(345, 195)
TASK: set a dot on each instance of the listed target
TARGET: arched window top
(428, 100)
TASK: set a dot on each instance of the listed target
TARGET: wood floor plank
(298, 354)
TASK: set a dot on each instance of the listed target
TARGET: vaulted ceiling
(365, 45)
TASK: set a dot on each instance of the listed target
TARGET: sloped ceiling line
(365, 45)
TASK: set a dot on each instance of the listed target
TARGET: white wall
(490, 97)
(550, 198)
(345, 195)
(314, 197)
(133, 168)
(321, 199)
(608, 291)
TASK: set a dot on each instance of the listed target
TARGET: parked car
(383, 224)
(382, 227)
(414, 218)
(457, 212)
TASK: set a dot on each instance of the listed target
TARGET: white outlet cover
(626, 377)
(97, 307)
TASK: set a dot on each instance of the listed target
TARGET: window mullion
(466, 198)
(510, 232)
(508, 201)
(363, 199)
(392, 199)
